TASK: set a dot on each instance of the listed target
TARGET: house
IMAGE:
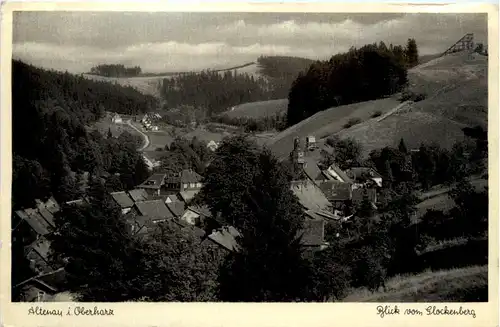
(364, 175)
(311, 143)
(195, 215)
(336, 192)
(123, 200)
(312, 171)
(41, 288)
(313, 234)
(30, 224)
(335, 173)
(154, 128)
(297, 154)
(153, 184)
(172, 198)
(212, 145)
(138, 195)
(310, 196)
(186, 180)
(226, 237)
(37, 253)
(141, 226)
(176, 208)
(117, 119)
(156, 209)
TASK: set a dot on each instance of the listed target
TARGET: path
(146, 138)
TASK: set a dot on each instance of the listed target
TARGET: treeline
(250, 124)
(116, 71)
(282, 71)
(53, 151)
(215, 92)
(370, 72)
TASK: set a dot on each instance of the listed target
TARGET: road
(146, 138)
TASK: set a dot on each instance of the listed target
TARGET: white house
(117, 119)
(212, 145)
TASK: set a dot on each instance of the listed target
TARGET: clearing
(468, 284)
(258, 109)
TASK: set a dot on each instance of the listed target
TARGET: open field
(105, 124)
(328, 122)
(457, 96)
(455, 285)
(258, 109)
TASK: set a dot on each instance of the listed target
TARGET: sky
(172, 42)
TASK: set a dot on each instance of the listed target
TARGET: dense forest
(370, 72)
(116, 71)
(53, 149)
(217, 91)
(213, 91)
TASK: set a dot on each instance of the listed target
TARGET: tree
(412, 53)
(346, 152)
(177, 267)
(101, 260)
(257, 200)
(402, 147)
(479, 48)
(110, 135)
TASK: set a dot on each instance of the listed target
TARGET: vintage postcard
(249, 165)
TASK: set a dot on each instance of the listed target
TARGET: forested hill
(51, 146)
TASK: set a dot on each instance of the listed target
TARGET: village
(323, 192)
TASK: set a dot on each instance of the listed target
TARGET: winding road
(146, 138)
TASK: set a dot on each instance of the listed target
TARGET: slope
(455, 285)
(457, 96)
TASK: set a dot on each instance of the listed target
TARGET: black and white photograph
(249, 157)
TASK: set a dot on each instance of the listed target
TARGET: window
(185, 185)
(192, 185)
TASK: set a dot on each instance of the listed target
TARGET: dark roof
(226, 237)
(362, 173)
(359, 194)
(190, 176)
(154, 181)
(52, 281)
(143, 224)
(336, 191)
(340, 173)
(312, 170)
(201, 210)
(309, 195)
(188, 195)
(40, 246)
(123, 200)
(138, 195)
(177, 208)
(313, 232)
(52, 206)
(47, 216)
(153, 208)
(35, 220)
(173, 197)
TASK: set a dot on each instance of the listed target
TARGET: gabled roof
(312, 170)
(173, 198)
(52, 206)
(313, 232)
(40, 246)
(190, 176)
(321, 214)
(345, 178)
(47, 216)
(362, 172)
(123, 199)
(35, 220)
(154, 181)
(336, 191)
(138, 195)
(226, 237)
(143, 224)
(188, 195)
(201, 210)
(153, 208)
(310, 196)
(177, 208)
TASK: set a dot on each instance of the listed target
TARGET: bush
(376, 114)
(351, 122)
(412, 96)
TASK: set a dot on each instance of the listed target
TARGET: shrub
(351, 122)
(410, 95)
(376, 114)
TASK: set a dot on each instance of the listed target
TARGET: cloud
(181, 43)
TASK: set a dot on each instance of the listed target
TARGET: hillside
(456, 88)
(258, 109)
(455, 285)
(457, 96)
